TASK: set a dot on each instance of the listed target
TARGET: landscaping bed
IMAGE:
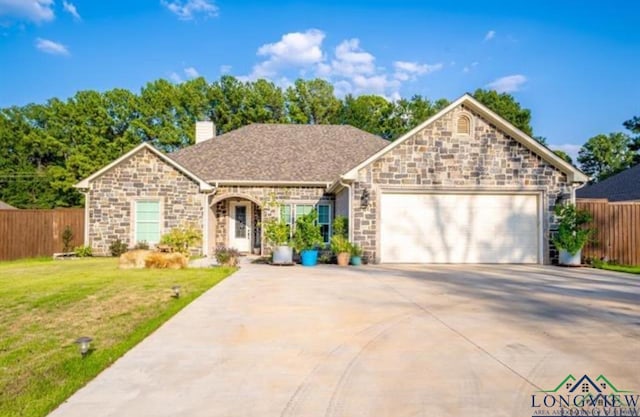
(45, 306)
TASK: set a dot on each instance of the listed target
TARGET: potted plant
(572, 233)
(307, 238)
(276, 232)
(342, 248)
(356, 255)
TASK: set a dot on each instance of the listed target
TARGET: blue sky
(573, 63)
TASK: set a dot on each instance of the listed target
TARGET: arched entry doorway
(235, 222)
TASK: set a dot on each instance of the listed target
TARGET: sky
(575, 64)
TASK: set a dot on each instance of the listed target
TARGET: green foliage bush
(356, 250)
(227, 256)
(340, 244)
(142, 245)
(83, 251)
(182, 239)
(276, 232)
(307, 235)
(67, 237)
(341, 226)
(573, 232)
(117, 248)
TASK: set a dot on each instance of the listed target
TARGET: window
(324, 220)
(147, 221)
(464, 125)
(290, 213)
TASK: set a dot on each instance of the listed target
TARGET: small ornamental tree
(573, 232)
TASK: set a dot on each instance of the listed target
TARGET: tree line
(49, 147)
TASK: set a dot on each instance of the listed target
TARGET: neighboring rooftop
(624, 186)
(5, 206)
(280, 152)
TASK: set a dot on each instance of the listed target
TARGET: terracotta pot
(343, 258)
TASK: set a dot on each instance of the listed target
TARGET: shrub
(308, 235)
(341, 226)
(142, 245)
(227, 256)
(67, 237)
(182, 239)
(83, 251)
(276, 232)
(572, 232)
(356, 250)
(117, 247)
(340, 244)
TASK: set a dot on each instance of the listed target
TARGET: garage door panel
(459, 228)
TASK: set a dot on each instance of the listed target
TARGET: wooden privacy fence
(617, 236)
(32, 233)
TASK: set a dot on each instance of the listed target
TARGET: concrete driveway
(377, 341)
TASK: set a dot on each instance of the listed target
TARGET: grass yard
(619, 268)
(45, 305)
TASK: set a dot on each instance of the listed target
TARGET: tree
(368, 112)
(506, 106)
(605, 155)
(563, 155)
(633, 125)
(312, 102)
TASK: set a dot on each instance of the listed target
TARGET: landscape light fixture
(176, 291)
(83, 344)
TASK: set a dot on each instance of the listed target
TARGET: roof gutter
(324, 184)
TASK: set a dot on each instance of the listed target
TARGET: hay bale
(134, 259)
(161, 260)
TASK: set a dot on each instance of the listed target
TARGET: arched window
(464, 125)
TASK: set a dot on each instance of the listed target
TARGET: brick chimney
(205, 130)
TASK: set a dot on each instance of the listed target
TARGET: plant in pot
(356, 255)
(276, 232)
(307, 238)
(572, 233)
(340, 244)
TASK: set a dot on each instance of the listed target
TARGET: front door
(240, 226)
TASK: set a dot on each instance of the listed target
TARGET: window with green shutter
(147, 221)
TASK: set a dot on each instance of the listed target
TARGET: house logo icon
(585, 396)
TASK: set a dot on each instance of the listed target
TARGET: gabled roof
(280, 153)
(204, 186)
(624, 186)
(5, 206)
(573, 174)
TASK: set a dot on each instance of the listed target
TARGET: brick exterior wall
(436, 158)
(144, 175)
(265, 207)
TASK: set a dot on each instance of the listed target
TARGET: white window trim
(134, 222)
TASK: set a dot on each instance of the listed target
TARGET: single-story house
(465, 186)
(624, 186)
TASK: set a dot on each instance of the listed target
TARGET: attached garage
(460, 228)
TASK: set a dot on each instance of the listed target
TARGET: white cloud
(175, 77)
(468, 68)
(33, 10)
(51, 47)
(351, 69)
(190, 9)
(295, 49)
(71, 9)
(191, 72)
(490, 35)
(225, 69)
(571, 149)
(508, 84)
(406, 70)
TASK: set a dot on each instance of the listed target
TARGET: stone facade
(144, 175)
(436, 158)
(266, 202)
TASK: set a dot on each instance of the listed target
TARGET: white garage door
(459, 228)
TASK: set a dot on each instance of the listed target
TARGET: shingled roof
(280, 152)
(624, 186)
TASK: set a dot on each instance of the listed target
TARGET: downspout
(349, 205)
(86, 218)
(205, 222)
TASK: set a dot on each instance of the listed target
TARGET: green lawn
(45, 305)
(620, 268)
